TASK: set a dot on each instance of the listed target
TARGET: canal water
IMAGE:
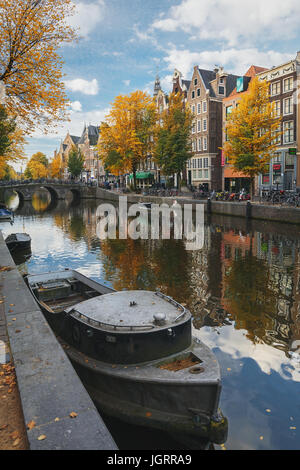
(243, 288)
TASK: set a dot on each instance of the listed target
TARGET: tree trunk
(134, 175)
(252, 187)
(178, 180)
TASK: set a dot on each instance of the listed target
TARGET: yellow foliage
(37, 169)
(31, 32)
(125, 136)
(252, 129)
(56, 167)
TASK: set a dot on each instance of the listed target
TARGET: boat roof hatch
(132, 309)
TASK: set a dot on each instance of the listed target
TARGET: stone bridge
(57, 190)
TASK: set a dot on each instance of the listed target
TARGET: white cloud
(87, 16)
(126, 82)
(235, 61)
(83, 86)
(233, 20)
(76, 106)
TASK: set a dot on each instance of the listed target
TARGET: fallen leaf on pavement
(42, 437)
(73, 414)
(31, 424)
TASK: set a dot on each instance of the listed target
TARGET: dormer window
(221, 81)
(221, 90)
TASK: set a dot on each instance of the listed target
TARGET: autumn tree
(252, 130)
(31, 32)
(56, 167)
(12, 142)
(37, 167)
(126, 137)
(75, 162)
(173, 144)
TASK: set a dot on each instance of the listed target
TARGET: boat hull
(187, 411)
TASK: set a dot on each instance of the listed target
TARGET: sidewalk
(13, 434)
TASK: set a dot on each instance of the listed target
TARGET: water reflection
(242, 287)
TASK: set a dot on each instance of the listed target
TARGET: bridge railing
(44, 181)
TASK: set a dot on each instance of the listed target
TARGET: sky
(125, 43)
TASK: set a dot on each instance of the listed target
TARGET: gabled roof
(208, 76)
(75, 139)
(251, 73)
(93, 135)
(186, 83)
(254, 70)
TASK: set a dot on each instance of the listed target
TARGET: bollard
(249, 210)
(209, 205)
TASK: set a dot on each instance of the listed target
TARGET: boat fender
(171, 333)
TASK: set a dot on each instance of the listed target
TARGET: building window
(199, 125)
(199, 108)
(194, 174)
(229, 110)
(194, 146)
(193, 109)
(288, 132)
(204, 143)
(221, 90)
(200, 174)
(194, 163)
(198, 92)
(199, 162)
(289, 161)
(204, 106)
(275, 88)
(288, 106)
(205, 162)
(200, 144)
(288, 84)
(194, 128)
(206, 174)
(204, 125)
(193, 95)
(221, 81)
(277, 136)
(277, 108)
(195, 81)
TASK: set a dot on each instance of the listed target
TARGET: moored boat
(20, 241)
(135, 353)
(5, 214)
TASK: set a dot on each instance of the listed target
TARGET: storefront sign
(277, 167)
(292, 151)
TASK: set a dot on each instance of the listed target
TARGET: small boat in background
(6, 214)
(135, 353)
(18, 241)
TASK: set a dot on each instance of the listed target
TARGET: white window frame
(272, 85)
(290, 98)
(200, 144)
(199, 125)
(204, 106)
(204, 143)
(277, 111)
(199, 108)
(288, 126)
(204, 125)
(287, 80)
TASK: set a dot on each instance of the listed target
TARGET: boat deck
(209, 372)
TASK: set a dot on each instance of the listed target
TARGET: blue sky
(125, 42)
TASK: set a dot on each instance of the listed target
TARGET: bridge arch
(53, 193)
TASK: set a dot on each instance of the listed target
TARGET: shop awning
(142, 175)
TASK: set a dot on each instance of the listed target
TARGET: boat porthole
(76, 334)
(196, 370)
